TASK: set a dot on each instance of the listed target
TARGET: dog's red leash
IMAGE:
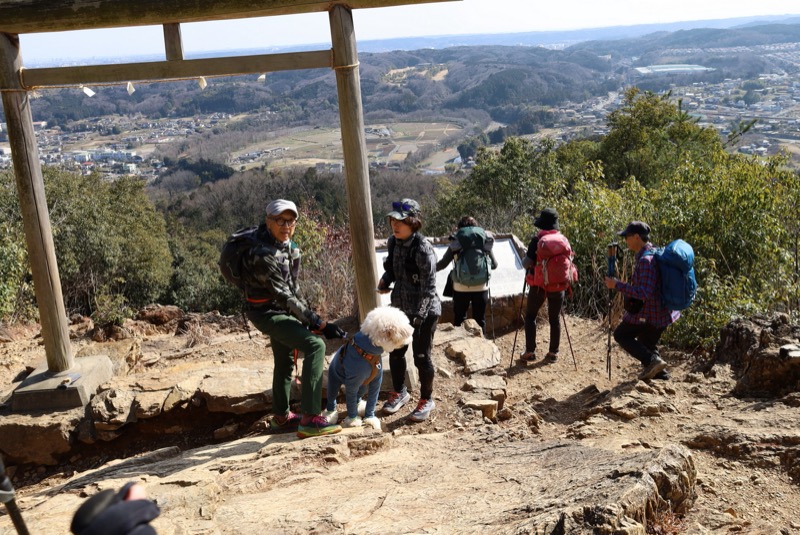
(296, 374)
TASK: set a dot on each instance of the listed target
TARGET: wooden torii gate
(63, 383)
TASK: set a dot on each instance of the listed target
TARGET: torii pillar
(351, 116)
(62, 384)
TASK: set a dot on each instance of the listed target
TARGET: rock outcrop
(752, 347)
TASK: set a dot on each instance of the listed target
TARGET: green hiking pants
(286, 334)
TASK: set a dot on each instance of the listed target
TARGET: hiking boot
(362, 407)
(655, 366)
(528, 356)
(395, 401)
(331, 416)
(423, 410)
(353, 422)
(663, 375)
(551, 357)
(317, 427)
(373, 422)
(287, 422)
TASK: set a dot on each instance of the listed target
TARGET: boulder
(38, 438)
(475, 353)
(488, 407)
(764, 354)
(112, 409)
(235, 390)
(771, 373)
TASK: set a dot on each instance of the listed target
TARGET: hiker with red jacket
(645, 317)
(549, 255)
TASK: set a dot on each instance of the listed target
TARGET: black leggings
(421, 345)
(536, 299)
(461, 302)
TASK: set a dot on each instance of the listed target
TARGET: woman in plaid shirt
(641, 329)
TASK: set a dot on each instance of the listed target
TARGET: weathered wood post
(348, 83)
(63, 383)
(173, 44)
(35, 217)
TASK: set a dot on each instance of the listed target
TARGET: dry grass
(665, 523)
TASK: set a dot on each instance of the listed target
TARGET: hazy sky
(445, 18)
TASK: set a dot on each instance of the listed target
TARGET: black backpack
(230, 259)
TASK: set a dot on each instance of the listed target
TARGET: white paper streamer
(130, 88)
(202, 82)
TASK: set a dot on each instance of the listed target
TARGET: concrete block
(43, 390)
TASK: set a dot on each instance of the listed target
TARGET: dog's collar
(361, 352)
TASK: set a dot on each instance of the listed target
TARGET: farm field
(387, 144)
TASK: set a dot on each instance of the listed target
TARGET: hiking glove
(332, 330)
(108, 513)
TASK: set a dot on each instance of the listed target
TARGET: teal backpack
(471, 266)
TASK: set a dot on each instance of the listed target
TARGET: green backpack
(471, 266)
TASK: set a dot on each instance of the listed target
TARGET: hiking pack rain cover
(555, 270)
(676, 267)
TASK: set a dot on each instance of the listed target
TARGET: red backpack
(555, 271)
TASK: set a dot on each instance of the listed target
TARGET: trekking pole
(7, 497)
(295, 354)
(491, 312)
(563, 317)
(612, 263)
(519, 315)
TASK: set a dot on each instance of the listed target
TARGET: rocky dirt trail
(569, 451)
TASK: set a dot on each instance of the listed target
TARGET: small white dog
(357, 365)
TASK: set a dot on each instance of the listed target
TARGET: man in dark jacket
(275, 308)
(642, 326)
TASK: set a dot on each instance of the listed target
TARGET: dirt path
(458, 473)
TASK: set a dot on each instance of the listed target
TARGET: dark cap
(636, 227)
(547, 220)
(403, 209)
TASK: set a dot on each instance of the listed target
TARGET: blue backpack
(676, 267)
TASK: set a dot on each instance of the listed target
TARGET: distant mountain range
(568, 37)
(548, 39)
